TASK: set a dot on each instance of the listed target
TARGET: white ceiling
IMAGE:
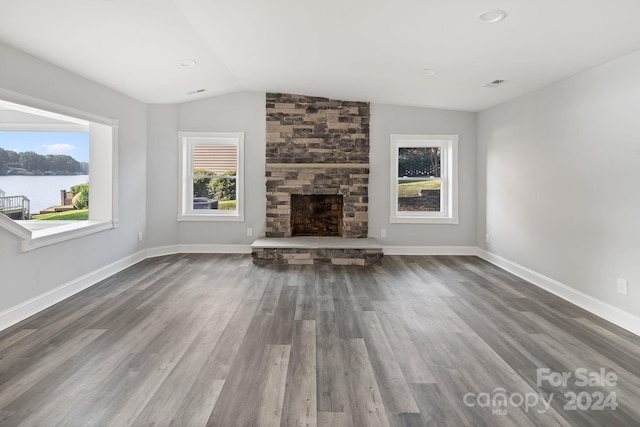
(361, 50)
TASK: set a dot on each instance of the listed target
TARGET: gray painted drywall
(559, 181)
(162, 175)
(391, 119)
(236, 112)
(245, 111)
(41, 270)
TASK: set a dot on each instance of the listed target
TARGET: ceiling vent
(495, 83)
(193, 92)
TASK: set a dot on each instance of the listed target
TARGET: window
(32, 119)
(424, 179)
(37, 165)
(211, 170)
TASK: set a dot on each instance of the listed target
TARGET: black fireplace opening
(316, 215)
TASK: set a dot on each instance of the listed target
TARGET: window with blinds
(211, 171)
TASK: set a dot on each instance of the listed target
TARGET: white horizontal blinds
(215, 158)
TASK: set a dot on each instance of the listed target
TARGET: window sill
(210, 217)
(53, 232)
(423, 220)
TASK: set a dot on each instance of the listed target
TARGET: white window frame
(185, 202)
(449, 171)
(103, 145)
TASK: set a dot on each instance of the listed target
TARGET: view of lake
(43, 191)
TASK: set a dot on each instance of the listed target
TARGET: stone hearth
(316, 250)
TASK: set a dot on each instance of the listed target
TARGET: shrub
(75, 189)
(81, 198)
(223, 188)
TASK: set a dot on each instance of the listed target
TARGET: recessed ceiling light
(492, 16)
(186, 63)
(428, 72)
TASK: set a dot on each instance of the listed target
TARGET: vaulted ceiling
(361, 50)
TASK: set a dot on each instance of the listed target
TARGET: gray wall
(389, 119)
(245, 111)
(559, 181)
(237, 112)
(162, 175)
(41, 270)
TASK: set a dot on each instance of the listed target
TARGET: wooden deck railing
(10, 205)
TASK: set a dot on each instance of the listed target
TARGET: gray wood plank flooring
(212, 340)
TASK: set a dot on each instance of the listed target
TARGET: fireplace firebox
(316, 215)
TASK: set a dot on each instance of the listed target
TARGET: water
(43, 191)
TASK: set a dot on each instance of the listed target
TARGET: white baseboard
(214, 249)
(34, 305)
(162, 251)
(429, 250)
(593, 305)
(197, 249)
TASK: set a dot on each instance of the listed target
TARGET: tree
(201, 182)
(223, 188)
(14, 158)
(419, 161)
(31, 161)
(4, 160)
(35, 162)
(63, 163)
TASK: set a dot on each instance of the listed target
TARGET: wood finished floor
(194, 340)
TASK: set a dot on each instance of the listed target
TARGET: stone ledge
(316, 250)
(312, 256)
(304, 242)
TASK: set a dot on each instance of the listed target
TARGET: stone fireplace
(317, 161)
(348, 181)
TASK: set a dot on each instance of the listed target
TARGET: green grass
(227, 205)
(74, 215)
(408, 188)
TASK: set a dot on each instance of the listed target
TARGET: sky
(74, 144)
